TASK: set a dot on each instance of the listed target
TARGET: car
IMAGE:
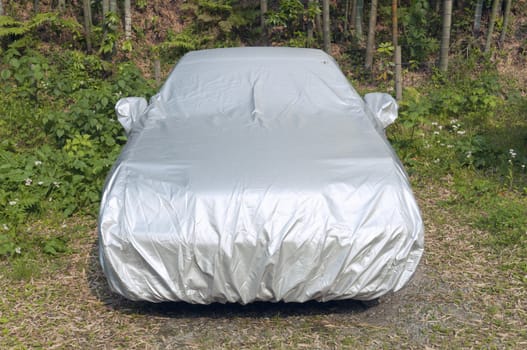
(258, 174)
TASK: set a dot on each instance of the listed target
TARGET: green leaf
(14, 63)
(70, 209)
(54, 246)
(6, 74)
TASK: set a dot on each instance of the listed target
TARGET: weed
(453, 129)
(59, 138)
(24, 269)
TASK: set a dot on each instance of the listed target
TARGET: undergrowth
(58, 138)
(468, 132)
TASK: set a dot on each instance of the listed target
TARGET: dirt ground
(459, 298)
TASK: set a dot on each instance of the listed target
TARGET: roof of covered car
(257, 54)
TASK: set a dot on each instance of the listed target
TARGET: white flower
(440, 127)
(461, 132)
(28, 181)
(5, 227)
(449, 146)
(510, 161)
(436, 160)
(435, 123)
(50, 199)
(12, 202)
(40, 183)
(523, 166)
(436, 132)
(56, 184)
(453, 121)
(18, 250)
(469, 154)
(38, 162)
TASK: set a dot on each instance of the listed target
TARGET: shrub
(59, 136)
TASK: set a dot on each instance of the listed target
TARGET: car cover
(258, 174)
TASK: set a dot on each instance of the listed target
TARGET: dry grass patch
(459, 298)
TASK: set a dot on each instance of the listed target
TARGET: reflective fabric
(257, 174)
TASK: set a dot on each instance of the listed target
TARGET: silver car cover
(258, 174)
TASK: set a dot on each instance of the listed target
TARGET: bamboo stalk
(398, 74)
(371, 35)
(477, 18)
(326, 26)
(263, 26)
(492, 21)
(445, 36)
(395, 25)
(506, 17)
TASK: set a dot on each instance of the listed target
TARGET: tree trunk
(62, 6)
(263, 27)
(477, 18)
(1, 8)
(127, 20)
(105, 11)
(105, 8)
(398, 74)
(309, 26)
(113, 9)
(113, 6)
(506, 17)
(318, 23)
(397, 53)
(86, 8)
(35, 6)
(346, 15)
(371, 35)
(325, 22)
(492, 20)
(445, 36)
(358, 19)
(353, 14)
(395, 25)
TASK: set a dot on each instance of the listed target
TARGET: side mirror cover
(383, 106)
(128, 111)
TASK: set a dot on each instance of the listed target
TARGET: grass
(465, 294)
(469, 291)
